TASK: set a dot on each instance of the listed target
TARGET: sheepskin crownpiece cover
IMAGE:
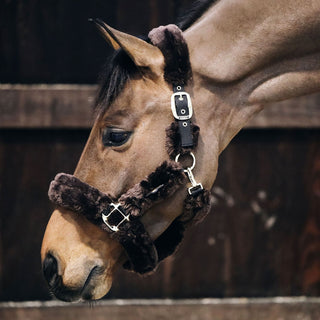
(143, 254)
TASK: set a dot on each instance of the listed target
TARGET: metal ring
(193, 160)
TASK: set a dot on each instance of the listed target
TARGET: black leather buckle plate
(181, 105)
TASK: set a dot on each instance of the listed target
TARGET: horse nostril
(50, 268)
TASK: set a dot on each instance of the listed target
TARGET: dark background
(53, 42)
(262, 237)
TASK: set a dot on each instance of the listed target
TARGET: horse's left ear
(142, 53)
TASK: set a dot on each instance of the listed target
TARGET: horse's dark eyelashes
(115, 137)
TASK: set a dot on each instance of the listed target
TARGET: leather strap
(182, 109)
(136, 241)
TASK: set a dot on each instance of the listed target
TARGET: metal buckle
(116, 208)
(181, 95)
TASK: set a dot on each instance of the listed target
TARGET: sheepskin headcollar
(122, 220)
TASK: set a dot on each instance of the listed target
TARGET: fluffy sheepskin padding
(69, 192)
(169, 39)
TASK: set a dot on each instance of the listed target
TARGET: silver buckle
(189, 105)
(116, 208)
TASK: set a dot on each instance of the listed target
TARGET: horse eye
(113, 137)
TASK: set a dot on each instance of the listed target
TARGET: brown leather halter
(121, 217)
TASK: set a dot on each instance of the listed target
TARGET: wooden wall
(262, 237)
(290, 308)
(53, 42)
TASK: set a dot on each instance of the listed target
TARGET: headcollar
(121, 217)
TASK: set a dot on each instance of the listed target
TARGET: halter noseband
(121, 217)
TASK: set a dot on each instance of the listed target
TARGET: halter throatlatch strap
(122, 220)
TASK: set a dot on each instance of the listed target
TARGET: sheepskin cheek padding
(140, 249)
(195, 210)
(173, 140)
(159, 185)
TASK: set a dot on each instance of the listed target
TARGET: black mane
(115, 74)
(198, 8)
(120, 68)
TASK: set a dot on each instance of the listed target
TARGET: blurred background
(262, 237)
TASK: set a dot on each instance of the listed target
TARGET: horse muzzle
(83, 269)
(55, 282)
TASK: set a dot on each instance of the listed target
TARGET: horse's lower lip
(86, 291)
(83, 293)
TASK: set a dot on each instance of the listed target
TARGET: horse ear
(143, 54)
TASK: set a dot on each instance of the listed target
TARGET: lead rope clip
(195, 186)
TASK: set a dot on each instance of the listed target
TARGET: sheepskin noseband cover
(143, 254)
(69, 192)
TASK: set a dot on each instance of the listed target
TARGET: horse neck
(234, 38)
(248, 53)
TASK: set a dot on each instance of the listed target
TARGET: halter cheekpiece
(121, 217)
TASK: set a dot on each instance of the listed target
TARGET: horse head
(127, 142)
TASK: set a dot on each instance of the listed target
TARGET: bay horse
(243, 55)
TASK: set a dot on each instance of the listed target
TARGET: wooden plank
(70, 106)
(46, 106)
(302, 112)
(204, 309)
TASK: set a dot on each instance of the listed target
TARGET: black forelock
(115, 74)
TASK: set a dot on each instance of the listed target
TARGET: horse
(242, 54)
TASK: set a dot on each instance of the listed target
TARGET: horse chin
(97, 289)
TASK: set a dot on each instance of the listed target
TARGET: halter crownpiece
(178, 73)
(121, 217)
